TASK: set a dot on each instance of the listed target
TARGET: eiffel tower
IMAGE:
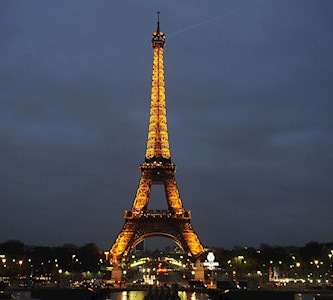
(141, 223)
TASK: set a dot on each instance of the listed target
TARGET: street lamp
(331, 267)
(20, 262)
(4, 261)
(106, 253)
(316, 262)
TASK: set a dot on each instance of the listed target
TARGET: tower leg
(199, 272)
(117, 274)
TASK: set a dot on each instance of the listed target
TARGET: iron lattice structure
(141, 223)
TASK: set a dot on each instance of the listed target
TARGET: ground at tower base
(77, 271)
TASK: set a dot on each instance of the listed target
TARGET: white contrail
(216, 17)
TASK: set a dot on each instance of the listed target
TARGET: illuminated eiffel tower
(141, 223)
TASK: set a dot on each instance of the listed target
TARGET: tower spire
(158, 22)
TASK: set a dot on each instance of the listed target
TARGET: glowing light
(210, 257)
(124, 295)
(158, 141)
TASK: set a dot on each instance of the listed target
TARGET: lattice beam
(158, 140)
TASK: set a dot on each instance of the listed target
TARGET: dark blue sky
(249, 88)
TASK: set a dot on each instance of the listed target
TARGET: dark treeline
(90, 257)
(266, 253)
(48, 259)
(312, 258)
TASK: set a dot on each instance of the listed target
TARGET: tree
(13, 248)
(311, 251)
(89, 255)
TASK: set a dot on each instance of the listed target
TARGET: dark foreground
(103, 294)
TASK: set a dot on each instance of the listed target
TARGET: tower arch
(156, 234)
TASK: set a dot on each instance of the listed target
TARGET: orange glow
(140, 223)
(158, 140)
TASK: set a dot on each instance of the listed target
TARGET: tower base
(117, 274)
(199, 272)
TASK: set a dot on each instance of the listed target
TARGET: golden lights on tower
(158, 140)
(173, 223)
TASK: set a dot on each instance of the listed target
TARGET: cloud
(248, 96)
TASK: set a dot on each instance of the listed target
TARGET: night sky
(249, 88)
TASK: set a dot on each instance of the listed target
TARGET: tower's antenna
(158, 21)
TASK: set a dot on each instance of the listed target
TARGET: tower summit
(157, 168)
(158, 40)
